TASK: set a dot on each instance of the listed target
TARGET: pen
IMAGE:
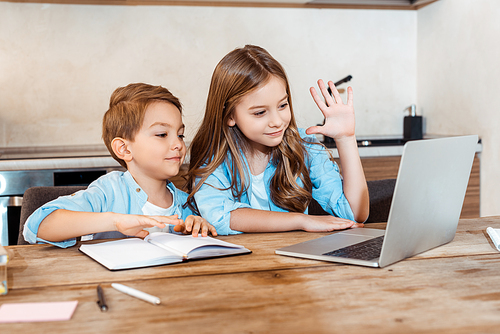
(101, 300)
(136, 293)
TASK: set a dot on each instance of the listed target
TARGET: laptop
(425, 208)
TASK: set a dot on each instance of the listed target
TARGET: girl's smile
(275, 134)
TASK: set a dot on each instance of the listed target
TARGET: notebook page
(187, 243)
(128, 253)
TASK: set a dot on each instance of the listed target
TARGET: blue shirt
(215, 205)
(114, 192)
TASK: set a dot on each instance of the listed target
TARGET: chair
(35, 197)
(380, 191)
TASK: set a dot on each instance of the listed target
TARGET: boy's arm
(340, 125)
(63, 224)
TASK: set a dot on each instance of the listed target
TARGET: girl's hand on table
(328, 224)
(194, 225)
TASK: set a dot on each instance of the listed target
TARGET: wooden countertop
(97, 156)
(453, 288)
(59, 163)
(55, 157)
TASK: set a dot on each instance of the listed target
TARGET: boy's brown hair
(127, 108)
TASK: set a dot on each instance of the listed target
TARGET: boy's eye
(161, 135)
(181, 136)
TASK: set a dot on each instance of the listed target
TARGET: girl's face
(263, 115)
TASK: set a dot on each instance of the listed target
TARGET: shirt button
(138, 190)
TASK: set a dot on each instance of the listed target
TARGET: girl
(252, 170)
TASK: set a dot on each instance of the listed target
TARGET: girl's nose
(275, 120)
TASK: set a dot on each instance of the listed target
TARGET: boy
(143, 131)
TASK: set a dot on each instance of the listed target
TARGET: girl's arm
(229, 216)
(253, 220)
(355, 188)
(340, 125)
(63, 224)
(218, 206)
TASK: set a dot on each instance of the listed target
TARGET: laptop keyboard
(365, 250)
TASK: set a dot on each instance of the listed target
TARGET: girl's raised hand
(339, 117)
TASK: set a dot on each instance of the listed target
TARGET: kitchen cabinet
(377, 168)
(355, 4)
(386, 167)
(25, 167)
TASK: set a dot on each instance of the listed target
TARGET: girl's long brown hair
(240, 72)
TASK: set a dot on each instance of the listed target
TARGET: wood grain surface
(450, 289)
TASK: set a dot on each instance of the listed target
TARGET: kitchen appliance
(341, 81)
(412, 124)
(326, 139)
(25, 167)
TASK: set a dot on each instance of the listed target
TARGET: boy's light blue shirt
(215, 200)
(114, 192)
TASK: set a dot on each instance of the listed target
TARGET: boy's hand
(194, 225)
(339, 117)
(134, 224)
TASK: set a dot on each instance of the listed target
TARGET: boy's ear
(120, 148)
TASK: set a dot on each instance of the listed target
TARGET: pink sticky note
(35, 312)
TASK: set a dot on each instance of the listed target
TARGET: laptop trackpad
(335, 241)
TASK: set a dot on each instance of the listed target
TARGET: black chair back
(380, 191)
(35, 197)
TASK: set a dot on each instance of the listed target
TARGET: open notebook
(157, 249)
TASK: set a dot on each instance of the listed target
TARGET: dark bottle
(412, 124)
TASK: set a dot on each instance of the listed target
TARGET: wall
(60, 63)
(459, 79)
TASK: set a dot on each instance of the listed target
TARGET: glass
(4, 258)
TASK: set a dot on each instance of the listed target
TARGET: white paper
(494, 234)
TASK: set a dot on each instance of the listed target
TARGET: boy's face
(158, 149)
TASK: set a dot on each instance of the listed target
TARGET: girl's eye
(181, 136)
(260, 113)
(283, 106)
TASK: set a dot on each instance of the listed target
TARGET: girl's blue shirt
(216, 202)
(114, 192)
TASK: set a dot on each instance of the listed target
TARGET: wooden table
(454, 289)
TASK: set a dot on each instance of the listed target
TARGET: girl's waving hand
(339, 117)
